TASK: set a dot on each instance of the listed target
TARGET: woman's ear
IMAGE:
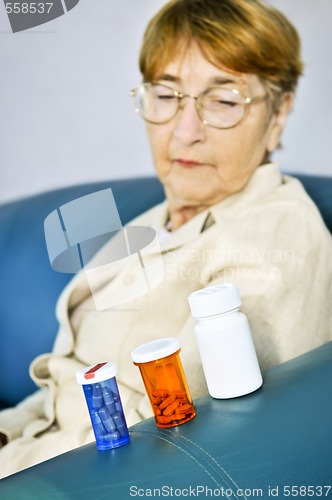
(278, 120)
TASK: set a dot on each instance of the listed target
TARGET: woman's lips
(188, 163)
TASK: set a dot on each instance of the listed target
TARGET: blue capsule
(97, 424)
(119, 419)
(97, 396)
(109, 400)
(107, 420)
(120, 424)
(113, 436)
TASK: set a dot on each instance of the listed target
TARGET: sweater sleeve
(14, 420)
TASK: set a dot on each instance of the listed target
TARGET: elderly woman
(218, 83)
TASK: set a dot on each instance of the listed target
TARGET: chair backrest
(319, 188)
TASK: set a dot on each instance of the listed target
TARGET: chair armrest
(278, 437)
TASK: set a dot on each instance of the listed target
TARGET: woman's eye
(166, 97)
(228, 103)
(221, 99)
(220, 103)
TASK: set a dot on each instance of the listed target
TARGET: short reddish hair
(245, 36)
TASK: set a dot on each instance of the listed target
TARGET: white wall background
(65, 113)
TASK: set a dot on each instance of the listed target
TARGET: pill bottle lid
(96, 373)
(154, 350)
(215, 299)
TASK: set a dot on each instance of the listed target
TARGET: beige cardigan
(269, 239)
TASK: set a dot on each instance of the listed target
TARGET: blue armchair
(270, 443)
(30, 287)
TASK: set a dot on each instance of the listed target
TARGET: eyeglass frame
(180, 96)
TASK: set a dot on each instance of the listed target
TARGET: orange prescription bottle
(164, 380)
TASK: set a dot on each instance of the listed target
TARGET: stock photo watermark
(233, 264)
(197, 491)
(27, 14)
(76, 235)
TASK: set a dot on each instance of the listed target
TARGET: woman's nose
(188, 127)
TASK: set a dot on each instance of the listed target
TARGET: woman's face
(200, 165)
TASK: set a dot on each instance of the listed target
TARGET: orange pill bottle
(165, 382)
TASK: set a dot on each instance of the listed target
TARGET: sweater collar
(264, 180)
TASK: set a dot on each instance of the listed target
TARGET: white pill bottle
(224, 341)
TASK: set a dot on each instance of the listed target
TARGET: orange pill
(157, 411)
(156, 400)
(165, 419)
(178, 416)
(167, 402)
(161, 393)
(185, 408)
(171, 408)
(180, 395)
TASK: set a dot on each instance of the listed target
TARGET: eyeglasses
(217, 107)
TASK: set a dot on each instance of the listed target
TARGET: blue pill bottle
(104, 404)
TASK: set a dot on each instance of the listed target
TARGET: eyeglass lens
(218, 106)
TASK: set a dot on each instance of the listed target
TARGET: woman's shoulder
(284, 215)
(291, 203)
(270, 200)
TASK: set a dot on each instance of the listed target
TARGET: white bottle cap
(96, 373)
(154, 350)
(215, 299)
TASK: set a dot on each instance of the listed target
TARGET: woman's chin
(193, 195)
